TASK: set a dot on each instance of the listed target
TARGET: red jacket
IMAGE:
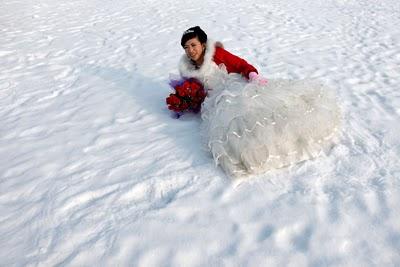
(232, 63)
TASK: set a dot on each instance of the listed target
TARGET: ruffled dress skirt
(250, 129)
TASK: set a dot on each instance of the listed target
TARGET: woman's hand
(254, 77)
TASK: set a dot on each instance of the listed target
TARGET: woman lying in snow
(249, 124)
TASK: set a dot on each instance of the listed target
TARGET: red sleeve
(233, 63)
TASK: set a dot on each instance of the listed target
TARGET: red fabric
(232, 63)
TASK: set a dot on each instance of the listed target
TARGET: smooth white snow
(95, 171)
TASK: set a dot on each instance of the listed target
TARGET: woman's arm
(233, 63)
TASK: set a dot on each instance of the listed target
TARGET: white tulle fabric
(250, 128)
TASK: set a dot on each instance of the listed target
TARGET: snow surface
(94, 171)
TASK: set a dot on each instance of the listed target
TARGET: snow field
(94, 170)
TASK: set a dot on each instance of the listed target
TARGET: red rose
(183, 106)
(186, 84)
(195, 86)
(173, 100)
(193, 92)
(181, 91)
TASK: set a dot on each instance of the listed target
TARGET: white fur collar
(187, 69)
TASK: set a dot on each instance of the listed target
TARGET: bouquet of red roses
(188, 96)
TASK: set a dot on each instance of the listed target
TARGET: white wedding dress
(250, 128)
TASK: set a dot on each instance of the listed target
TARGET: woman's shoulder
(218, 44)
(221, 55)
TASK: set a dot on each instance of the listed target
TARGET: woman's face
(194, 49)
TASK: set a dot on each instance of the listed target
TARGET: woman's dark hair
(193, 33)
